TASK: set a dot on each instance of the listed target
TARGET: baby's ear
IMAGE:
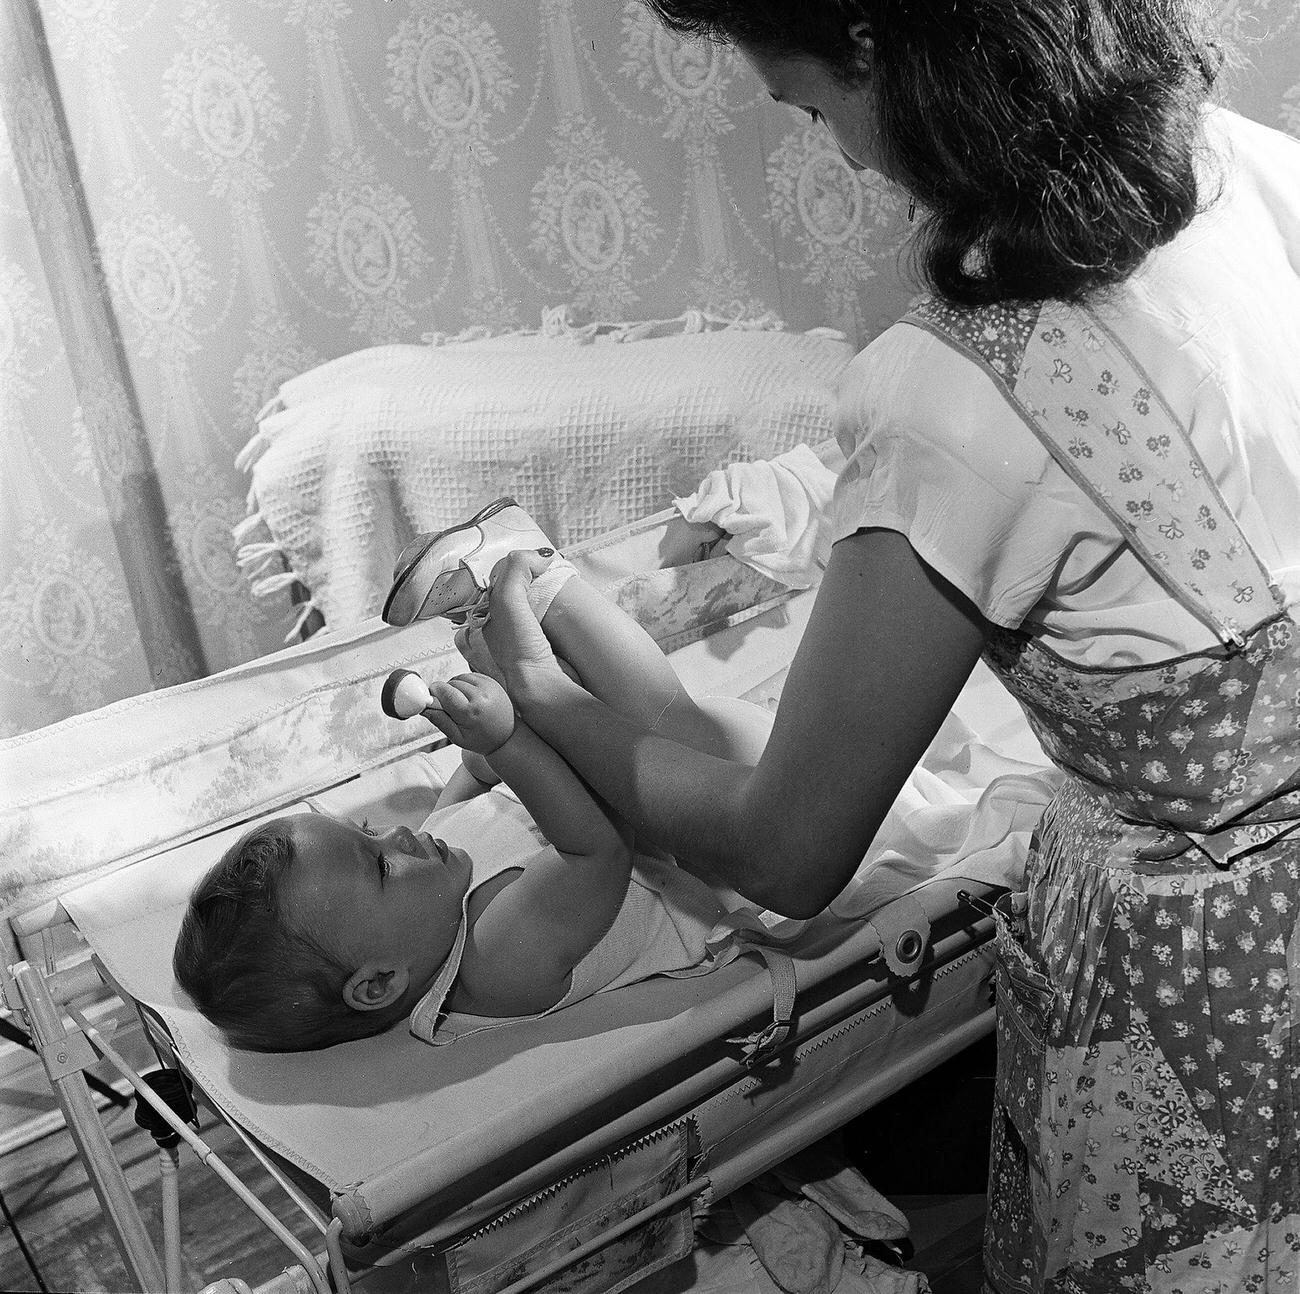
(373, 986)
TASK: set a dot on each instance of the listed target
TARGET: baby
(314, 930)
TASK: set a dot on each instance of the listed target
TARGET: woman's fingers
(469, 642)
(522, 564)
(512, 633)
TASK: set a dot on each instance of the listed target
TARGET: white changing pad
(391, 1112)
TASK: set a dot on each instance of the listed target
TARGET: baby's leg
(738, 729)
(618, 662)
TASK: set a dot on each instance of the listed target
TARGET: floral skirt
(1147, 1135)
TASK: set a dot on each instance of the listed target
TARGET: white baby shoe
(445, 573)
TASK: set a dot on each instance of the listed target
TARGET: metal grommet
(909, 946)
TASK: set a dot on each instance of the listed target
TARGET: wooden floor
(55, 1239)
(66, 1246)
(948, 1232)
(69, 1248)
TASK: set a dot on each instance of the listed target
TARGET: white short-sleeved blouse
(1214, 318)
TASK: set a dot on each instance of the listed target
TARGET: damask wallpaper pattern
(200, 199)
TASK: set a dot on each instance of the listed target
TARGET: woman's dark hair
(267, 983)
(1053, 142)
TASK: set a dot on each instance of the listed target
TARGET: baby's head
(312, 930)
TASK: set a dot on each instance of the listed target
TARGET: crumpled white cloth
(966, 812)
(774, 511)
(811, 1225)
(968, 809)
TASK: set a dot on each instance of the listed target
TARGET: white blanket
(358, 455)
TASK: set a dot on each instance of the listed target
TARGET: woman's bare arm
(887, 649)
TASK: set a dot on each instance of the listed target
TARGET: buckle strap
(757, 1048)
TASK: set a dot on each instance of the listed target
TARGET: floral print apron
(1147, 1135)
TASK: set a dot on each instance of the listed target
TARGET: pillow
(587, 429)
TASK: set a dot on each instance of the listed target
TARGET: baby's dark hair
(267, 983)
(1052, 142)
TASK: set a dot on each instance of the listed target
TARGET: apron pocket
(1025, 999)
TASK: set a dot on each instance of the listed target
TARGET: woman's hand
(511, 632)
(469, 642)
(474, 711)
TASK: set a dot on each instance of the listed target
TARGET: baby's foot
(445, 573)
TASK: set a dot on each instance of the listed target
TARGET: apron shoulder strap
(1093, 407)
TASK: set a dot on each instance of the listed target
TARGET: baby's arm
(471, 777)
(475, 775)
(526, 942)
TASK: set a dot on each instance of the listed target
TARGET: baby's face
(393, 894)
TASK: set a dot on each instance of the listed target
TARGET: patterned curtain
(199, 200)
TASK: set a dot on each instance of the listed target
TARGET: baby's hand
(474, 711)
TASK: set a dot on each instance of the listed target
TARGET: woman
(1081, 458)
